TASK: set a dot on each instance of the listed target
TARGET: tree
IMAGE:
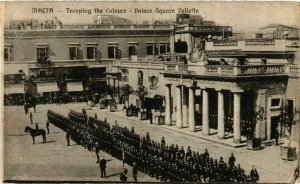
(287, 118)
(125, 91)
(141, 92)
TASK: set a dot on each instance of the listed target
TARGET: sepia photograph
(150, 92)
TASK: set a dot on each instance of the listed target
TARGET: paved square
(55, 161)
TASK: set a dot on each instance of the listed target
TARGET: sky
(242, 16)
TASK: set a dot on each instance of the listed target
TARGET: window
(112, 52)
(132, 50)
(275, 102)
(7, 53)
(73, 52)
(150, 49)
(91, 52)
(42, 54)
(140, 78)
(164, 48)
(153, 80)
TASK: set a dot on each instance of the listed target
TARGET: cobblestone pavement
(55, 160)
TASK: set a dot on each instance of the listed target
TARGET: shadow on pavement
(47, 142)
(17, 134)
(115, 174)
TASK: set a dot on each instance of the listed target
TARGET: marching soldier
(135, 171)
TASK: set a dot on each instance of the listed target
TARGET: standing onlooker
(31, 117)
(96, 117)
(135, 172)
(123, 175)
(150, 116)
(103, 168)
(47, 126)
(97, 151)
(276, 136)
(68, 137)
(254, 174)
(26, 109)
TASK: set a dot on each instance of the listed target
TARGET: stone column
(168, 115)
(221, 123)
(179, 107)
(260, 127)
(192, 110)
(205, 119)
(237, 117)
(185, 107)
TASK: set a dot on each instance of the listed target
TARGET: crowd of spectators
(20, 100)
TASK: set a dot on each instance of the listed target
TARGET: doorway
(274, 124)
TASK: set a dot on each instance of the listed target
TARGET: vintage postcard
(186, 92)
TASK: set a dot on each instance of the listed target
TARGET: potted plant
(287, 119)
(253, 140)
(142, 114)
(161, 117)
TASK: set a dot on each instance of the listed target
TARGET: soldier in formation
(164, 162)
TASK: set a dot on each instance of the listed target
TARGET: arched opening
(140, 78)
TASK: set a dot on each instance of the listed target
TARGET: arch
(140, 78)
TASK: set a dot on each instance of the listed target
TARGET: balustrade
(212, 69)
(293, 70)
(245, 69)
(260, 42)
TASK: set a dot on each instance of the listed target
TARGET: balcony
(203, 29)
(68, 63)
(45, 78)
(139, 64)
(253, 45)
(230, 70)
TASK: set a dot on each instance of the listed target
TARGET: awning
(46, 87)
(74, 86)
(96, 66)
(224, 53)
(14, 89)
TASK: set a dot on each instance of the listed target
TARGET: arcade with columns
(226, 104)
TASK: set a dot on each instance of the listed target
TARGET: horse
(35, 133)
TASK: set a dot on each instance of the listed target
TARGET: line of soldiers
(167, 163)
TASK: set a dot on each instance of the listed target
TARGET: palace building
(207, 77)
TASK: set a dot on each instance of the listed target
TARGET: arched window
(140, 78)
